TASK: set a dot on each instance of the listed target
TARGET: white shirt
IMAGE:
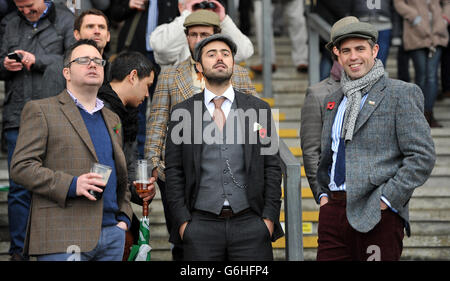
(226, 105)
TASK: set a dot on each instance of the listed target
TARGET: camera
(204, 5)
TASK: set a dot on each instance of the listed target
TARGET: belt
(339, 195)
(227, 212)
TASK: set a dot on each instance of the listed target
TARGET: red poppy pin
(117, 128)
(331, 105)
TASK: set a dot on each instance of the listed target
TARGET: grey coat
(311, 127)
(53, 35)
(391, 153)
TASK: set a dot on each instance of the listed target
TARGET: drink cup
(105, 172)
(142, 182)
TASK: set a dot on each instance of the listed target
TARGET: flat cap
(351, 27)
(216, 37)
(202, 17)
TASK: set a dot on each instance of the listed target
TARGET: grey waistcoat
(216, 182)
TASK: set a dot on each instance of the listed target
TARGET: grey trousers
(243, 237)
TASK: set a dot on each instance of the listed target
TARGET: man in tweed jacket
(176, 84)
(60, 138)
(376, 149)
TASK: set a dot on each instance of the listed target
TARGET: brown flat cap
(202, 17)
(350, 27)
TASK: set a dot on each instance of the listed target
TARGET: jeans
(426, 72)
(384, 41)
(19, 200)
(110, 247)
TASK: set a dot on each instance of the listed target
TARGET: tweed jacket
(53, 146)
(391, 152)
(175, 85)
(311, 127)
(263, 170)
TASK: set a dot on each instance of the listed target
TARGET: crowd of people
(72, 101)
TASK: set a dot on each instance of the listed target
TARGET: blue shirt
(152, 22)
(335, 139)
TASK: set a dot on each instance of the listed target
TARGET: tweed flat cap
(351, 27)
(202, 17)
(216, 37)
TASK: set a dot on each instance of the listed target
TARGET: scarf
(354, 90)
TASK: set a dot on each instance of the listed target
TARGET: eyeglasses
(87, 61)
(202, 35)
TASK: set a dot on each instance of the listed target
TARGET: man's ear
(199, 67)
(375, 50)
(336, 51)
(77, 35)
(133, 76)
(66, 73)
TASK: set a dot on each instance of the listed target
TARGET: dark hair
(125, 62)
(68, 52)
(79, 20)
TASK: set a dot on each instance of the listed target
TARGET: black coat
(120, 11)
(183, 162)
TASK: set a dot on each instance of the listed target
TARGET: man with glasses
(60, 138)
(33, 37)
(177, 83)
(170, 46)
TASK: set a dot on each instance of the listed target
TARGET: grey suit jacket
(311, 127)
(53, 146)
(391, 153)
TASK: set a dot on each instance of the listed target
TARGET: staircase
(429, 207)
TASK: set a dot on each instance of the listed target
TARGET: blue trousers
(19, 200)
(110, 247)
(426, 74)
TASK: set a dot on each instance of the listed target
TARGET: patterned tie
(218, 115)
(339, 168)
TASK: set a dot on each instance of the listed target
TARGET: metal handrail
(292, 203)
(317, 27)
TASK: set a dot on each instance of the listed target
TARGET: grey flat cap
(351, 27)
(216, 37)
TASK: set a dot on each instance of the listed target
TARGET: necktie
(339, 168)
(218, 115)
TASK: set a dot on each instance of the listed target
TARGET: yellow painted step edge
(308, 242)
(297, 151)
(288, 133)
(307, 216)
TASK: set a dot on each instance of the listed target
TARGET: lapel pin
(256, 127)
(331, 105)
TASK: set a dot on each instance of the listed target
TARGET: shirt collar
(229, 94)
(98, 103)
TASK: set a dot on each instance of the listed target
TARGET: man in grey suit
(223, 186)
(311, 126)
(376, 149)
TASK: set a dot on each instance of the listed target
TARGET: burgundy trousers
(339, 241)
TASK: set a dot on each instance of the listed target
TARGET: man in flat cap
(223, 187)
(376, 149)
(169, 42)
(175, 84)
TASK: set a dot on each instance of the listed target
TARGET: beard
(219, 77)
